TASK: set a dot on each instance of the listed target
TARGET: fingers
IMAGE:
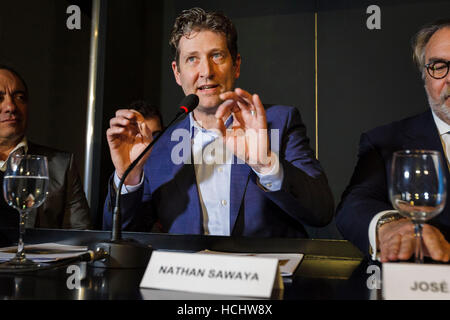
(127, 122)
(115, 131)
(121, 122)
(435, 243)
(129, 114)
(407, 247)
(237, 95)
(244, 101)
(258, 104)
(397, 242)
(389, 249)
(145, 131)
(228, 106)
(125, 117)
(244, 95)
(399, 247)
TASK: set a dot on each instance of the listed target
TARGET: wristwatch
(389, 217)
(386, 218)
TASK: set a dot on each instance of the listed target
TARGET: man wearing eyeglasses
(365, 215)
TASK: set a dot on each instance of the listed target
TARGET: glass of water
(418, 188)
(24, 188)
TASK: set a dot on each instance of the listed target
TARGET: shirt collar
(195, 127)
(22, 146)
(442, 126)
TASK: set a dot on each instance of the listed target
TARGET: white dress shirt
(23, 144)
(444, 133)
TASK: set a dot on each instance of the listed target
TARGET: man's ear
(237, 66)
(176, 73)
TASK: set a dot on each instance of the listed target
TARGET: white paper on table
(287, 262)
(44, 252)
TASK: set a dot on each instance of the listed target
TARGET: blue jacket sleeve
(136, 211)
(365, 196)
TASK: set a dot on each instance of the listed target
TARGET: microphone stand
(127, 253)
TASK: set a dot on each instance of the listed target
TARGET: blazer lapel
(240, 174)
(424, 135)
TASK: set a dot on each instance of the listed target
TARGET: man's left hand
(248, 138)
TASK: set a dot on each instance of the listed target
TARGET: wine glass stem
(20, 245)
(419, 250)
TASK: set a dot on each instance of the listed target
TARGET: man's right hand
(396, 241)
(127, 137)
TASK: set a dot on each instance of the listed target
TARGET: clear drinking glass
(24, 188)
(418, 188)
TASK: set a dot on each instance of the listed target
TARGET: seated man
(65, 205)
(365, 214)
(269, 183)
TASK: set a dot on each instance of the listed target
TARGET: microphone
(127, 253)
(188, 104)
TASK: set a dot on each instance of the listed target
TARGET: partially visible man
(268, 187)
(65, 205)
(365, 215)
(152, 115)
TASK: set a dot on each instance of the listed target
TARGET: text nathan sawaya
(212, 274)
(208, 273)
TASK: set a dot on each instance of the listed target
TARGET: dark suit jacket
(65, 206)
(170, 192)
(368, 193)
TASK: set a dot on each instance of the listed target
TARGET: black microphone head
(189, 103)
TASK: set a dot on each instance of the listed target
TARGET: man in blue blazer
(233, 167)
(365, 215)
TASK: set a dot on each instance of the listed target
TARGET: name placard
(212, 274)
(411, 281)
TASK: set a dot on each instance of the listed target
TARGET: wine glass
(24, 188)
(418, 188)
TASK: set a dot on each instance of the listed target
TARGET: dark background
(365, 77)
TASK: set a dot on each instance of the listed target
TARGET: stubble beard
(209, 111)
(439, 107)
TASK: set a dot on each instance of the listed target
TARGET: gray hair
(420, 41)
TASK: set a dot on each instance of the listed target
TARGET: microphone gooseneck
(188, 104)
(128, 253)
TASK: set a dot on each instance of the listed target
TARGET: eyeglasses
(438, 69)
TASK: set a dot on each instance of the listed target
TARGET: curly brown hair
(197, 19)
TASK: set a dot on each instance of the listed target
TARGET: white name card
(411, 281)
(212, 274)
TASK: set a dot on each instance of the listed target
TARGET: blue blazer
(367, 193)
(169, 195)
